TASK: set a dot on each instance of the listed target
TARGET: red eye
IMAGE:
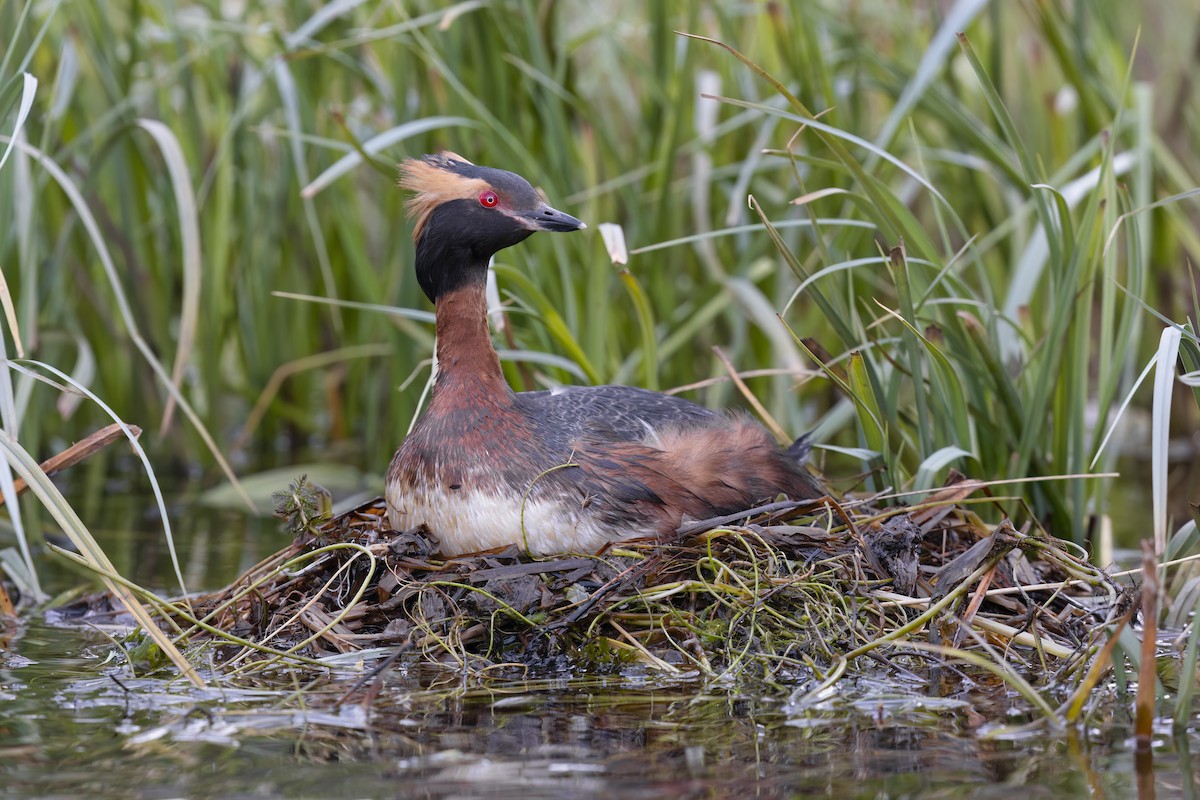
(488, 200)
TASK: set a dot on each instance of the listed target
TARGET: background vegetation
(178, 170)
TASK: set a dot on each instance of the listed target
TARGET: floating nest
(782, 593)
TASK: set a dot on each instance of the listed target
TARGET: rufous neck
(468, 366)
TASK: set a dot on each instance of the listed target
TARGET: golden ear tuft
(433, 182)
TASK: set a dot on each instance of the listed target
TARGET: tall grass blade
(406, 313)
(645, 317)
(134, 444)
(70, 524)
(316, 23)
(189, 239)
(758, 309)
(932, 61)
(10, 419)
(93, 230)
(288, 93)
(1024, 157)
(83, 373)
(347, 163)
(737, 230)
(834, 133)
(863, 393)
(935, 462)
(1032, 263)
(1164, 383)
(1184, 710)
(913, 349)
(550, 317)
(28, 90)
(1116, 417)
(10, 315)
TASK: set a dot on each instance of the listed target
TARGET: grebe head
(465, 213)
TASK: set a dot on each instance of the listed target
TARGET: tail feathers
(697, 472)
(801, 449)
(735, 465)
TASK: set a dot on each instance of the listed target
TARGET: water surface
(75, 722)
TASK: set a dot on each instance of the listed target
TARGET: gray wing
(623, 413)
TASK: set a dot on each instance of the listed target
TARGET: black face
(461, 235)
(457, 242)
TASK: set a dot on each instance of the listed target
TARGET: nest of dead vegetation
(784, 592)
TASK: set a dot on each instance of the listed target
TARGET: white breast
(469, 519)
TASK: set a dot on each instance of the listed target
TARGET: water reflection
(67, 729)
(212, 544)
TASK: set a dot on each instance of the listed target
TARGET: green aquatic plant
(304, 506)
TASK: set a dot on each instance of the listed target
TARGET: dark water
(67, 729)
(74, 722)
